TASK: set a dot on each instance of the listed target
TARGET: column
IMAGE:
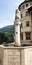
(17, 35)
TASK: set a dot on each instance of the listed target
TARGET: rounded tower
(25, 9)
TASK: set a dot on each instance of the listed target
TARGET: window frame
(27, 5)
(21, 35)
(28, 34)
(27, 13)
(27, 23)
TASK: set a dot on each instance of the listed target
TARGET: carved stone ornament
(17, 14)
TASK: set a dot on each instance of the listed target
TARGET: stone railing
(15, 55)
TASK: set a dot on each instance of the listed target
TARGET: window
(23, 6)
(26, 5)
(20, 27)
(28, 36)
(21, 36)
(21, 15)
(27, 23)
(27, 13)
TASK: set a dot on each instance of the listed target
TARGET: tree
(6, 37)
(10, 38)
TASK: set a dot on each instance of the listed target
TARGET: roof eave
(23, 3)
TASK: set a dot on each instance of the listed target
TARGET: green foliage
(7, 37)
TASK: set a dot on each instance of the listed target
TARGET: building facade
(23, 30)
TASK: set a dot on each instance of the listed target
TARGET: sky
(7, 11)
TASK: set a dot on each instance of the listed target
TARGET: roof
(23, 3)
(30, 9)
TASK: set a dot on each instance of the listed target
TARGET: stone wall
(16, 56)
(1, 55)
